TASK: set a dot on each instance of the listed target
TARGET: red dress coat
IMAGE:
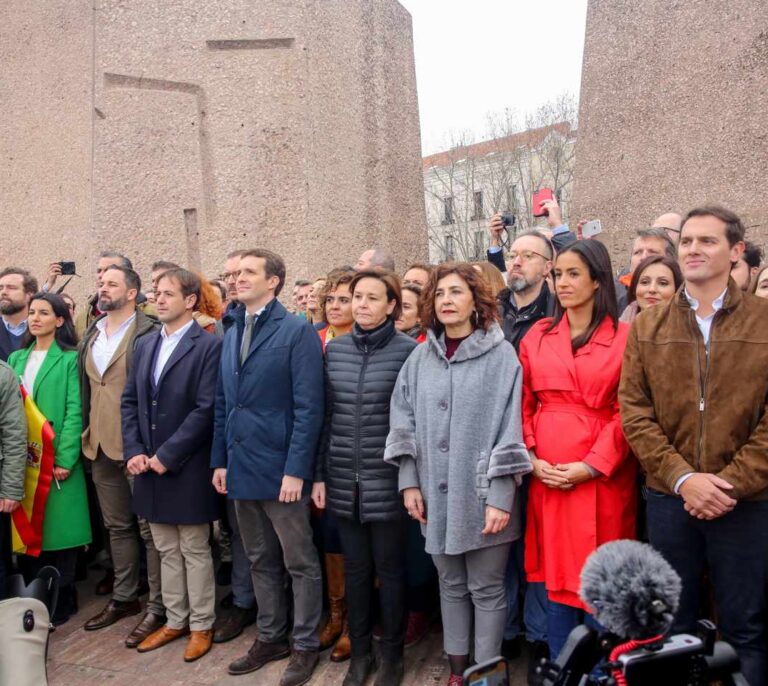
(571, 414)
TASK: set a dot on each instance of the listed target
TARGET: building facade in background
(467, 184)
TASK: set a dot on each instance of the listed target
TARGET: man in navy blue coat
(268, 418)
(167, 418)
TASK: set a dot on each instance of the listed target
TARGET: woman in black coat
(357, 485)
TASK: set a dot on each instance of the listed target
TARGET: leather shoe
(359, 669)
(200, 643)
(300, 668)
(148, 625)
(231, 625)
(258, 655)
(161, 637)
(113, 612)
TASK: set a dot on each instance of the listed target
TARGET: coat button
(103, 384)
(239, 407)
(443, 487)
(153, 427)
(443, 405)
(444, 447)
(154, 403)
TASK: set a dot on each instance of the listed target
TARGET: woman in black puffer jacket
(359, 487)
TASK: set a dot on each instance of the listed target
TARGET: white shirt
(104, 346)
(167, 346)
(705, 323)
(34, 362)
(705, 326)
(255, 316)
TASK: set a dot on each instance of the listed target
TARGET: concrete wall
(185, 130)
(673, 112)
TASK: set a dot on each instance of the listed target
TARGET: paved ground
(80, 658)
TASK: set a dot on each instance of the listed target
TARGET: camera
(678, 660)
(508, 220)
(67, 268)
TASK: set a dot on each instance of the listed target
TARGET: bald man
(670, 222)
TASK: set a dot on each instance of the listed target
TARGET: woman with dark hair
(583, 491)
(760, 283)
(47, 368)
(655, 280)
(456, 436)
(409, 321)
(360, 488)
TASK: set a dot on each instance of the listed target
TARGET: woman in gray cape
(456, 435)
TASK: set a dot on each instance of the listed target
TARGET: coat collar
(478, 343)
(560, 340)
(733, 297)
(51, 360)
(273, 314)
(186, 344)
(374, 339)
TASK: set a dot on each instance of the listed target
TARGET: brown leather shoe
(149, 623)
(161, 637)
(200, 643)
(342, 651)
(113, 612)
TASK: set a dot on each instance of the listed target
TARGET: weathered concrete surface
(673, 106)
(184, 130)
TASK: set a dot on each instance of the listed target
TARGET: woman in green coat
(47, 366)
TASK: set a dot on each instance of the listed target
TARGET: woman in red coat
(583, 491)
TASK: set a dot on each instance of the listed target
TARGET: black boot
(359, 668)
(390, 673)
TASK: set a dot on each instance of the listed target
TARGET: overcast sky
(480, 56)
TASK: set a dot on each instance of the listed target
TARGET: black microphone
(632, 590)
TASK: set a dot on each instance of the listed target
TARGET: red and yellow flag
(27, 520)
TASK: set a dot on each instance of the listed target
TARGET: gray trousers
(278, 537)
(114, 489)
(189, 587)
(473, 583)
(242, 584)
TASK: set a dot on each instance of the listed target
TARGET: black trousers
(5, 551)
(735, 549)
(380, 548)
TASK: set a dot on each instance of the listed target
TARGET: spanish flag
(27, 520)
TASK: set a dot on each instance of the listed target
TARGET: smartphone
(491, 673)
(591, 229)
(540, 196)
(67, 268)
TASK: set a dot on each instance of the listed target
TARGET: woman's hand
(318, 494)
(414, 503)
(496, 520)
(60, 474)
(549, 475)
(574, 473)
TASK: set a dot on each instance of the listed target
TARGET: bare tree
(471, 181)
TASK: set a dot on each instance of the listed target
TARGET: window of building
(448, 210)
(477, 206)
(450, 248)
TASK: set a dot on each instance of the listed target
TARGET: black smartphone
(494, 672)
(67, 268)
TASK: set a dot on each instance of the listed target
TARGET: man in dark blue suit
(17, 286)
(268, 418)
(167, 417)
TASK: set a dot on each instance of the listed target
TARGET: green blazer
(57, 394)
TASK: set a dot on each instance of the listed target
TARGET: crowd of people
(378, 449)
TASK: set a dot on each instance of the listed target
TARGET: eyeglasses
(229, 275)
(527, 255)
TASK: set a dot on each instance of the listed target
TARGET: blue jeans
(734, 547)
(535, 601)
(561, 620)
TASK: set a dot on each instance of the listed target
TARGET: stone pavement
(80, 658)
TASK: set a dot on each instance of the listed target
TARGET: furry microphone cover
(632, 589)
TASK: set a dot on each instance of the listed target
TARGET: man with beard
(17, 286)
(104, 361)
(528, 298)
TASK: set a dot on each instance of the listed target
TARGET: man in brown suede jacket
(693, 398)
